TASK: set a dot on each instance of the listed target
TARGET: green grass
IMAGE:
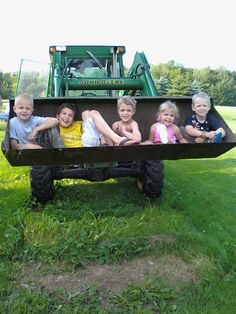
(192, 224)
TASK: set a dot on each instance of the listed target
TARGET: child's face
(201, 107)
(23, 109)
(167, 116)
(125, 112)
(65, 117)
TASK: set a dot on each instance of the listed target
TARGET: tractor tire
(41, 182)
(151, 182)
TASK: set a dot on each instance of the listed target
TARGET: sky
(194, 33)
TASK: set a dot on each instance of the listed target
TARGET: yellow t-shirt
(71, 136)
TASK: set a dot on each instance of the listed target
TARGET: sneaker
(217, 138)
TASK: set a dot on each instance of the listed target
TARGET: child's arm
(199, 135)
(179, 135)
(135, 134)
(121, 130)
(194, 132)
(214, 127)
(151, 134)
(16, 145)
(220, 130)
(49, 123)
(203, 134)
(212, 134)
(116, 127)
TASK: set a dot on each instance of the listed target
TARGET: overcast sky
(194, 33)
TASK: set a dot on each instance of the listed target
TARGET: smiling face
(167, 116)
(66, 117)
(201, 107)
(125, 112)
(23, 108)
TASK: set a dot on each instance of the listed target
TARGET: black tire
(41, 182)
(151, 182)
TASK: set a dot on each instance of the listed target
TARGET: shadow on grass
(75, 198)
(121, 198)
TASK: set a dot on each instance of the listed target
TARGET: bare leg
(106, 141)
(102, 126)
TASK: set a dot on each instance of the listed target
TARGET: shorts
(189, 138)
(49, 138)
(91, 136)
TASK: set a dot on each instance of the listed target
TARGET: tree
(179, 85)
(195, 87)
(33, 83)
(7, 85)
(174, 80)
(162, 85)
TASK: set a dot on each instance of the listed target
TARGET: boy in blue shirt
(202, 126)
(26, 129)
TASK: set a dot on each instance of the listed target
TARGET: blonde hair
(127, 100)
(168, 105)
(203, 96)
(19, 98)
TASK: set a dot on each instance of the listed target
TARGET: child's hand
(199, 140)
(120, 129)
(30, 146)
(116, 128)
(32, 135)
(210, 134)
(34, 146)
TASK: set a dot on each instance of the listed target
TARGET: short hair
(128, 100)
(21, 97)
(168, 105)
(68, 105)
(201, 95)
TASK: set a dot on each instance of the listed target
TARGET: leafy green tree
(7, 85)
(175, 80)
(204, 78)
(179, 86)
(195, 87)
(33, 83)
(162, 85)
(224, 88)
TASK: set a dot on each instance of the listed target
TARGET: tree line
(175, 80)
(171, 79)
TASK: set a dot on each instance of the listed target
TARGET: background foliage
(174, 80)
(170, 78)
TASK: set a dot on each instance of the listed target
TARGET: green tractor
(93, 77)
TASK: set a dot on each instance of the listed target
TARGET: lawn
(106, 248)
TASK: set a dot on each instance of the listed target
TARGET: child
(202, 126)
(164, 131)
(91, 131)
(70, 130)
(126, 126)
(25, 129)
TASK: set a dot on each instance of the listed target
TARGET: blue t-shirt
(210, 124)
(19, 130)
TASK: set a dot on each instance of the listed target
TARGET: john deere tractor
(93, 77)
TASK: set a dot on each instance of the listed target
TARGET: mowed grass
(192, 227)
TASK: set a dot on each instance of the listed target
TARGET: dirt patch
(111, 278)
